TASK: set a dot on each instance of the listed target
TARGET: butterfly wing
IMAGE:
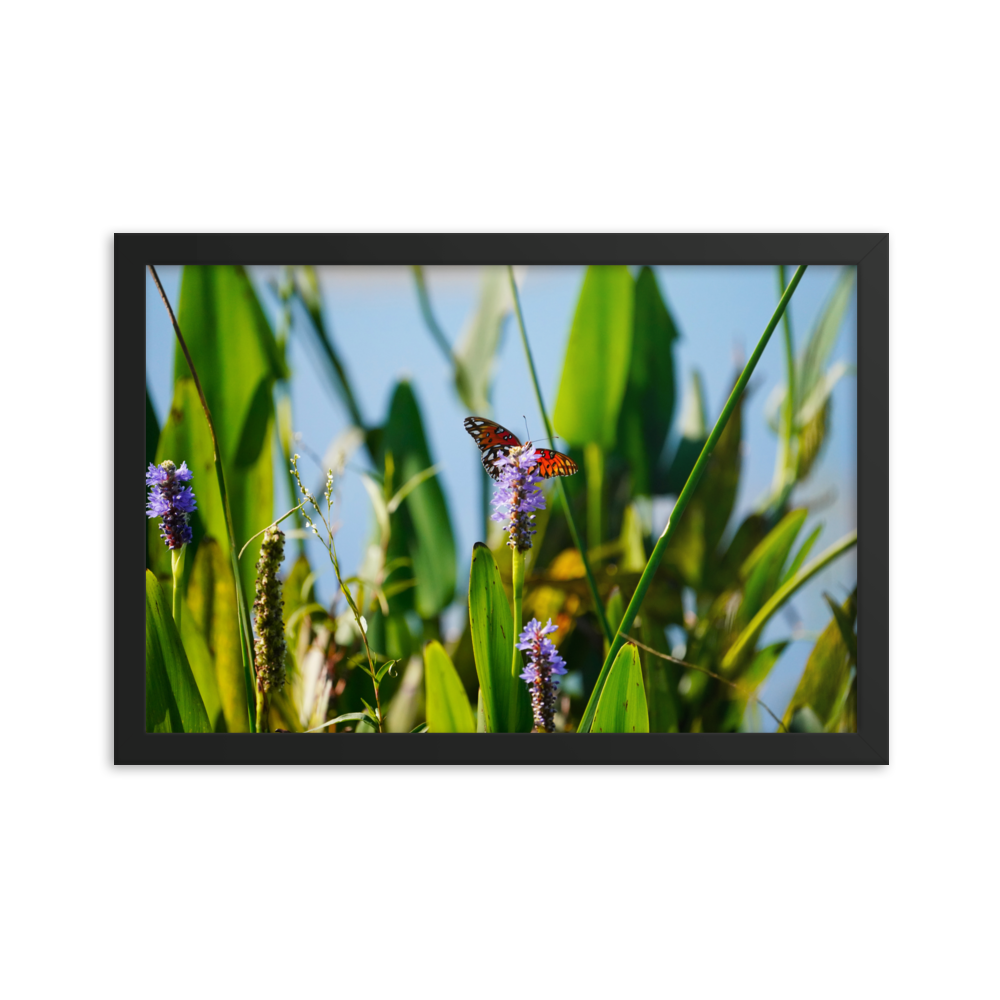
(493, 441)
(554, 463)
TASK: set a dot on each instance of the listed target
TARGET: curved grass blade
(622, 708)
(448, 709)
(804, 575)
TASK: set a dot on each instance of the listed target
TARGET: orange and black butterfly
(494, 441)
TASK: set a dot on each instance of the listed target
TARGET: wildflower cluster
(269, 649)
(518, 497)
(172, 501)
(542, 672)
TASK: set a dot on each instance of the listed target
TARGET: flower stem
(262, 708)
(591, 582)
(177, 571)
(517, 577)
(682, 501)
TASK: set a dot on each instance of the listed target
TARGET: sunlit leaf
(622, 707)
(828, 669)
(595, 370)
(648, 405)
(506, 703)
(173, 704)
(448, 709)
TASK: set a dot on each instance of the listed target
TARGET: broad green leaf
(782, 594)
(622, 708)
(421, 528)
(448, 709)
(506, 703)
(238, 361)
(173, 704)
(595, 370)
(648, 405)
(477, 345)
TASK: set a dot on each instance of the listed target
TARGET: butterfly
(494, 441)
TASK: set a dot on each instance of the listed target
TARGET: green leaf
(173, 704)
(622, 708)
(383, 670)
(421, 527)
(615, 610)
(761, 570)
(448, 709)
(506, 704)
(782, 594)
(211, 599)
(477, 346)
(595, 370)
(800, 556)
(813, 359)
(846, 624)
(648, 405)
(804, 720)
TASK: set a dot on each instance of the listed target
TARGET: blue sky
(720, 313)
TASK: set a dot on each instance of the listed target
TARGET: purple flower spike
(542, 672)
(518, 496)
(171, 501)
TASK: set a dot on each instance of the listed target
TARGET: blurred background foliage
(715, 625)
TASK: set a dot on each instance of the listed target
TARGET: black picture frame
(868, 252)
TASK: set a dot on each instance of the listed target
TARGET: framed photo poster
(502, 498)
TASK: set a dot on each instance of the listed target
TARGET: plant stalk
(682, 502)
(177, 571)
(783, 463)
(517, 581)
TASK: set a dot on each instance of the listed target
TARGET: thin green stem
(593, 461)
(682, 501)
(783, 464)
(241, 604)
(560, 486)
(177, 571)
(517, 583)
(430, 320)
(782, 594)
